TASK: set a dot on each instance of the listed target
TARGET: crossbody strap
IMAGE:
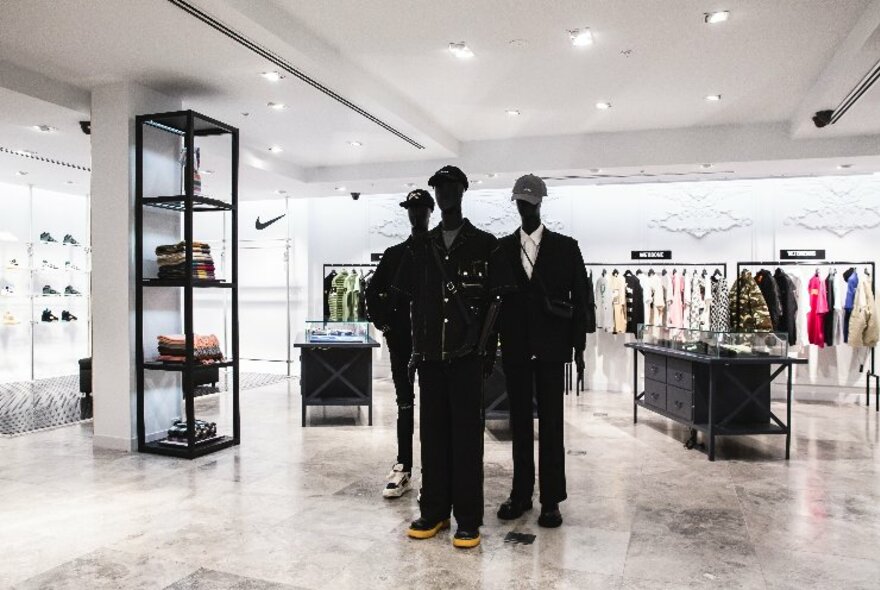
(451, 287)
(535, 274)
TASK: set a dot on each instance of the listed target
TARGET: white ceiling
(774, 63)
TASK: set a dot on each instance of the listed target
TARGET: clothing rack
(633, 263)
(825, 263)
(351, 265)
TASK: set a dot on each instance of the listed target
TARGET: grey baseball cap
(529, 188)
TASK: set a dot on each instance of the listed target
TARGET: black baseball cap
(418, 198)
(529, 188)
(448, 174)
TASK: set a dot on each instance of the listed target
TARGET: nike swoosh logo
(262, 226)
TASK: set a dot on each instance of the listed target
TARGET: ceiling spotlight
(478, 181)
(461, 50)
(595, 170)
(713, 97)
(27, 153)
(281, 191)
(272, 76)
(844, 166)
(603, 106)
(355, 143)
(492, 175)
(713, 18)
(21, 173)
(581, 37)
(278, 106)
(44, 128)
(513, 112)
(69, 182)
(339, 189)
(410, 185)
(705, 166)
(276, 149)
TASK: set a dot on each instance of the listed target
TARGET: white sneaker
(7, 291)
(399, 482)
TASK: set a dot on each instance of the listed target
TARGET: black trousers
(451, 432)
(406, 400)
(545, 381)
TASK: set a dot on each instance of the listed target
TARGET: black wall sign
(802, 254)
(376, 256)
(651, 254)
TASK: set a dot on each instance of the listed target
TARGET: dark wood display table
(336, 374)
(718, 396)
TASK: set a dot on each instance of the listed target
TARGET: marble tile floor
(301, 508)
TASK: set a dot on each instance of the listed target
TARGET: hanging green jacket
(748, 309)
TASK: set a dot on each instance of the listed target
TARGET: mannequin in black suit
(543, 326)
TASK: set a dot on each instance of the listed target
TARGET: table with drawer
(718, 396)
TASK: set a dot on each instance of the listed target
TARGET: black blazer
(527, 329)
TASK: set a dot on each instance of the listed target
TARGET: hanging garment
(828, 320)
(696, 301)
(635, 305)
(788, 301)
(719, 313)
(674, 302)
(748, 310)
(770, 292)
(852, 285)
(685, 300)
(708, 302)
(647, 299)
(618, 303)
(590, 304)
(328, 289)
(818, 309)
(333, 300)
(802, 295)
(604, 317)
(864, 328)
(339, 287)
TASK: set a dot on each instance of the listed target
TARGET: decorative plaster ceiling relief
(698, 215)
(839, 209)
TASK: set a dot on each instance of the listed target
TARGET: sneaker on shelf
(49, 266)
(71, 266)
(68, 239)
(47, 291)
(48, 316)
(69, 290)
(13, 265)
(399, 482)
(8, 291)
(66, 316)
(47, 237)
(9, 319)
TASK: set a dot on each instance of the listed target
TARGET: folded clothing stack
(172, 349)
(204, 430)
(172, 261)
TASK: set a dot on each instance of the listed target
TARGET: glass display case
(323, 331)
(716, 344)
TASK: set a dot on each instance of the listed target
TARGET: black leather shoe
(425, 529)
(550, 516)
(466, 539)
(513, 509)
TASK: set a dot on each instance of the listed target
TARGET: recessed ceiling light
(713, 18)
(278, 106)
(276, 149)
(513, 112)
(69, 182)
(410, 185)
(595, 170)
(705, 166)
(355, 143)
(21, 173)
(461, 50)
(713, 97)
(478, 181)
(844, 166)
(27, 153)
(517, 42)
(281, 191)
(209, 172)
(492, 175)
(581, 37)
(603, 106)
(339, 189)
(44, 128)
(272, 76)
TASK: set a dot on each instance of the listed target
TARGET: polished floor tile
(301, 508)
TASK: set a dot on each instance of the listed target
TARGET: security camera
(822, 118)
(355, 196)
(86, 127)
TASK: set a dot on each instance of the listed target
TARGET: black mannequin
(449, 196)
(530, 215)
(419, 218)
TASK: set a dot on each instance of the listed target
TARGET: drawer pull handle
(678, 404)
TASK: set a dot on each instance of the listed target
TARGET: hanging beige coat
(864, 329)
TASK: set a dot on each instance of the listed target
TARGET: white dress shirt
(530, 243)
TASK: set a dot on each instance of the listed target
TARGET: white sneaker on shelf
(399, 482)
(9, 319)
(13, 265)
(8, 291)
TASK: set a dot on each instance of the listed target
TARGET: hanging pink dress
(675, 302)
(818, 309)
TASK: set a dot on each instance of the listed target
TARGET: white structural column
(114, 108)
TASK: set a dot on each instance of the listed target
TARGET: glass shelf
(716, 344)
(178, 203)
(321, 331)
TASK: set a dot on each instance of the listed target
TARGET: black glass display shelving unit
(188, 125)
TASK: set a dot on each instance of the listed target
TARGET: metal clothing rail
(872, 374)
(670, 264)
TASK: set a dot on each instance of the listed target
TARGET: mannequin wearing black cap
(390, 314)
(453, 276)
(543, 325)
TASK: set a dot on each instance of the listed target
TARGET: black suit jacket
(388, 311)
(527, 329)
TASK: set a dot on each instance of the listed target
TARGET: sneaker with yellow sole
(425, 529)
(465, 539)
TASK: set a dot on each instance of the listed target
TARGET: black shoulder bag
(554, 306)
